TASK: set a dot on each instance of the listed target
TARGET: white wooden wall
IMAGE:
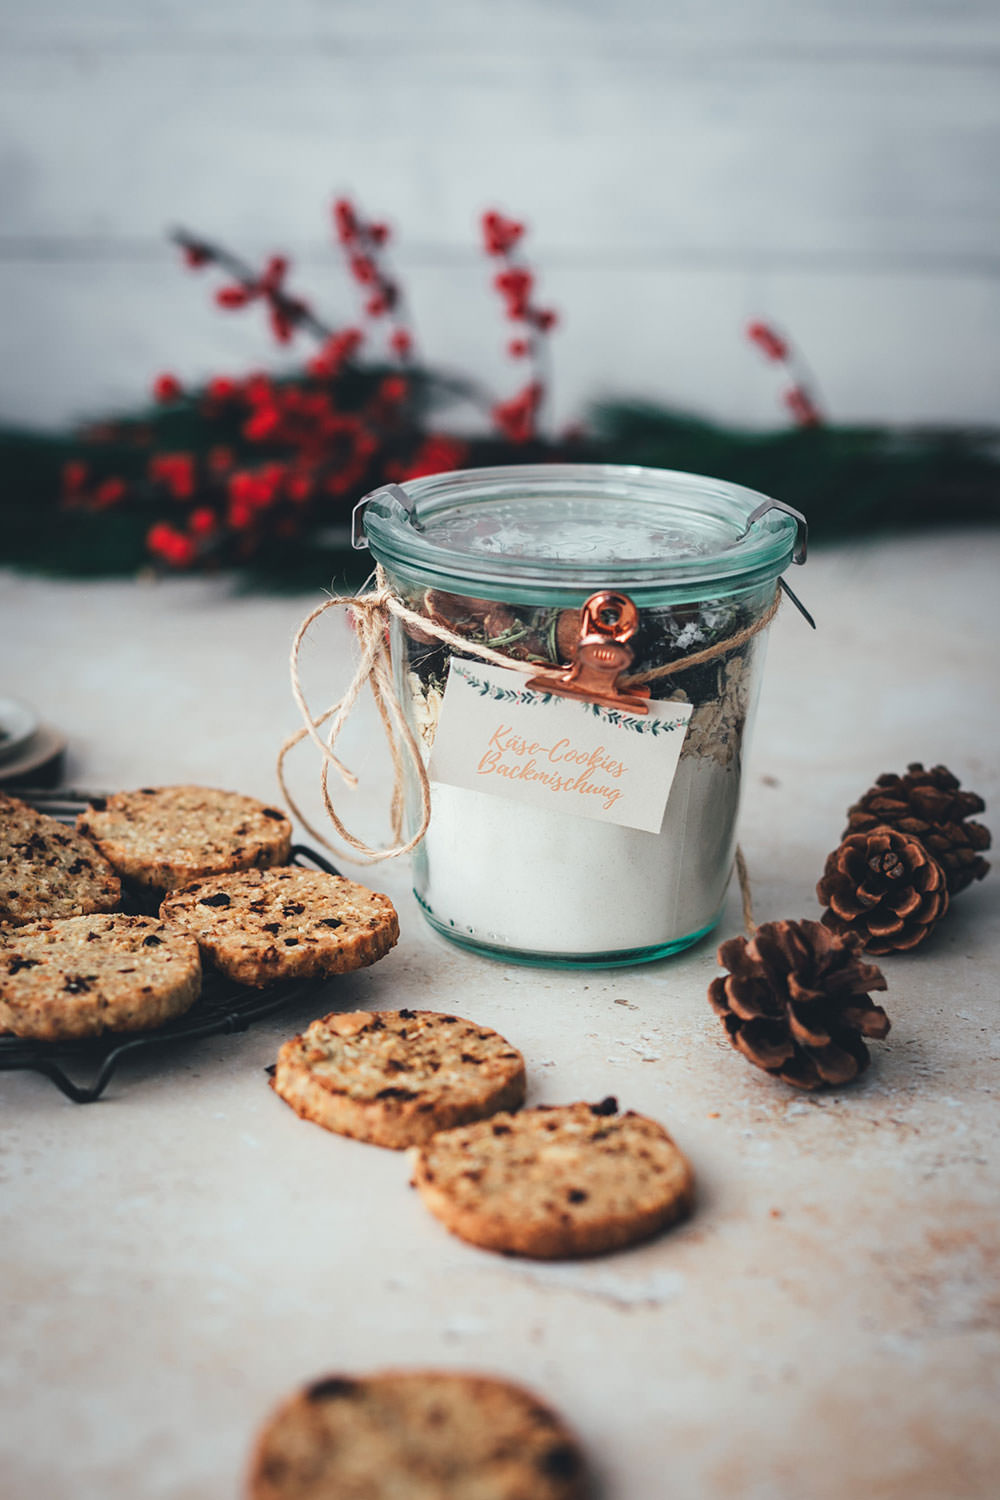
(684, 164)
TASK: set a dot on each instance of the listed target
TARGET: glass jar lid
(557, 532)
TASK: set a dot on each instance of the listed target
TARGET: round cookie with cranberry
(48, 869)
(162, 838)
(422, 1434)
(557, 1181)
(261, 925)
(81, 976)
(395, 1077)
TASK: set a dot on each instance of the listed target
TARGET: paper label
(497, 735)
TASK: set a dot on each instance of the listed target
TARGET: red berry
(220, 459)
(182, 551)
(171, 545)
(263, 424)
(167, 388)
(500, 234)
(176, 471)
(74, 477)
(393, 389)
(401, 342)
(281, 326)
(320, 366)
(299, 487)
(232, 296)
(516, 417)
(239, 514)
(240, 487)
(436, 455)
(109, 492)
(158, 538)
(345, 220)
(771, 344)
(182, 479)
(513, 282)
(259, 390)
(202, 521)
(221, 388)
(801, 406)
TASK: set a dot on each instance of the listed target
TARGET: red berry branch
(517, 417)
(797, 397)
(271, 458)
(363, 243)
(286, 313)
(243, 464)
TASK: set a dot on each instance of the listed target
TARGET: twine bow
(371, 612)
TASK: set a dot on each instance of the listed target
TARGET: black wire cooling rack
(223, 1005)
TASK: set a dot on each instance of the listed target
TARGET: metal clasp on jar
(608, 621)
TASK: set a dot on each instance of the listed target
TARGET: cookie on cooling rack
(162, 838)
(421, 1433)
(555, 1182)
(261, 925)
(81, 976)
(394, 1077)
(49, 870)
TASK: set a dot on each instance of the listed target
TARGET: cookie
(80, 976)
(261, 925)
(396, 1076)
(49, 870)
(551, 1183)
(422, 1434)
(162, 838)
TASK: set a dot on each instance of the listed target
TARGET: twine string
(370, 613)
(743, 877)
(709, 653)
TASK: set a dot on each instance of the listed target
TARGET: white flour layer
(546, 882)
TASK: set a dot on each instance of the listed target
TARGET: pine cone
(931, 806)
(795, 1002)
(885, 887)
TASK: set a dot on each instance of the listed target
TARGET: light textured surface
(181, 1255)
(683, 167)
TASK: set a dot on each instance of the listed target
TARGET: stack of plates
(26, 745)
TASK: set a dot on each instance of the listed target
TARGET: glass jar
(505, 558)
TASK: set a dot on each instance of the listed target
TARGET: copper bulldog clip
(608, 621)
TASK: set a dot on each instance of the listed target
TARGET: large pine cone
(931, 806)
(885, 887)
(796, 1002)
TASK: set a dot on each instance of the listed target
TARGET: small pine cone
(931, 806)
(795, 1002)
(885, 887)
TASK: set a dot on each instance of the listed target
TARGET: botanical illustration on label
(496, 735)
